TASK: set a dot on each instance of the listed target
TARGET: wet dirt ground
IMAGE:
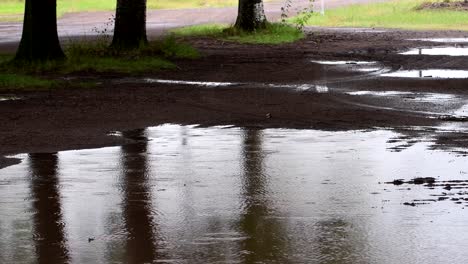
(334, 79)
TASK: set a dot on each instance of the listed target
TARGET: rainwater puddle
(182, 194)
(425, 97)
(9, 98)
(299, 87)
(444, 40)
(445, 51)
(197, 83)
(343, 62)
(370, 67)
(439, 74)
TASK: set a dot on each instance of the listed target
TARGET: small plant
(302, 16)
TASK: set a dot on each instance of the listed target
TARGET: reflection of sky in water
(421, 97)
(448, 51)
(444, 40)
(324, 62)
(210, 195)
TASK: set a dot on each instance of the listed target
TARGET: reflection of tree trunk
(251, 15)
(40, 39)
(264, 242)
(130, 24)
(137, 200)
(48, 223)
(336, 242)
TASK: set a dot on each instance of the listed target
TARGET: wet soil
(81, 118)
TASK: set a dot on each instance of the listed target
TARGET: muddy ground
(275, 86)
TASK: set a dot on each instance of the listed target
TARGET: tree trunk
(39, 41)
(130, 24)
(251, 15)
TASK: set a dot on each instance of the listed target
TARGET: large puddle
(444, 40)
(444, 51)
(228, 195)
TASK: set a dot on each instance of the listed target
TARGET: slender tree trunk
(130, 24)
(39, 41)
(251, 15)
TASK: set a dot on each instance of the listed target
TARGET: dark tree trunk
(130, 24)
(251, 15)
(39, 41)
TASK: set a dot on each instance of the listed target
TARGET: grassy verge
(12, 9)
(91, 58)
(24, 82)
(275, 33)
(401, 14)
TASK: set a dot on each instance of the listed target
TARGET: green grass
(12, 9)
(93, 58)
(274, 33)
(9, 81)
(401, 14)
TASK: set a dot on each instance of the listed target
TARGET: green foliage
(394, 14)
(274, 33)
(303, 16)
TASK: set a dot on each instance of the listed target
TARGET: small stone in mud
(442, 198)
(409, 204)
(397, 182)
(268, 116)
(448, 187)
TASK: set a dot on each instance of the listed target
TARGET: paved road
(83, 24)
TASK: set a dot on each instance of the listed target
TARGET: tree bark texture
(251, 15)
(40, 41)
(130, 24)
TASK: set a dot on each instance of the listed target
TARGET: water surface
(182, 194)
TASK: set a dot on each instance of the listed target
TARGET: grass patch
(274, 33)
(401, 14)
(94, 57)
(11, 10)
(9, 81)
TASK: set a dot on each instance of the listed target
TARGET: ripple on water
(232, 194)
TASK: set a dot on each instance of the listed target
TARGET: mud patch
(6, 161)
(455, 191)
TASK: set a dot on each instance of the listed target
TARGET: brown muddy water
(184, 194)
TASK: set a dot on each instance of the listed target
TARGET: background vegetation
(393, 14)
